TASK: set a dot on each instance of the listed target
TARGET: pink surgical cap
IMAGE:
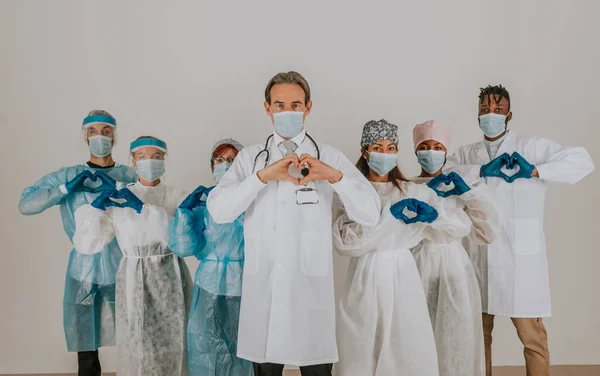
(431, 130)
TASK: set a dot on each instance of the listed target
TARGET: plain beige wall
(192, 72)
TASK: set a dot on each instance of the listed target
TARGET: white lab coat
(287, 314)
(153, 285)
(383, 326)
(513, 271)
(450, 283)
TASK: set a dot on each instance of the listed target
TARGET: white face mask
(220, 170)
(288, 124)
(492, 125)
(100, 146)
(382, 163)
(431, 160)
(150, 169)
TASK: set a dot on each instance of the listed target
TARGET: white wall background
(192, 72)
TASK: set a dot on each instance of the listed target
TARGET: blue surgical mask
(492, 125)
(431, 160)
(150, 169)
(100, 146)
(220, 170)
(382, 163)
(288, 124)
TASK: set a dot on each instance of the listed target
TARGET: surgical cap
(375, 131)
(431, 130)
(228, 141)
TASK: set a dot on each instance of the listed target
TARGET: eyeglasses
(219, 160)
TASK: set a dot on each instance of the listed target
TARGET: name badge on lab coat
(307, 196)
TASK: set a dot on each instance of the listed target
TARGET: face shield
(99, 133)
(149, 155)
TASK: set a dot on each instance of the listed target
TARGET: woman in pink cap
(447, 274)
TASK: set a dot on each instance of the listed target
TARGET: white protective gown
(450, 283)
(153, 284)
(513, 275)
(383, 323)
(287, 314)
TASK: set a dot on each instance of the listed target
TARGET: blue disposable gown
(213, 323)
(89, 298)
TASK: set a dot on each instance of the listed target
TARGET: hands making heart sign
(109, 198)
(524, 170)
(90, 182)
(317, 170)
(422, 212)
(460, 186)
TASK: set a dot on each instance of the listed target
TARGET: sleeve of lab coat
(482, 212)
(361, 202)
(93, 229)
(235, 192)
(561, 164)
(354, 240)
(43, 194)
(456, 163)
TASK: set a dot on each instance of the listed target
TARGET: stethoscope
(266, 150)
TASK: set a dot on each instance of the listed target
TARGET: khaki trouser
(532, 333)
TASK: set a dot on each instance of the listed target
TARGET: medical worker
(383, 327)
(285, 186)
(212, 330)
(513, 270)
(153, 284)
(89, 297)
(448, 278)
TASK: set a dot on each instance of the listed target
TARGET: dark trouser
(89, 363)
(272, 369)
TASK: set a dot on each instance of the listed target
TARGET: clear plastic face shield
(148, 158)
(99, 133)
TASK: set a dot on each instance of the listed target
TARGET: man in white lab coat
(513, 271)
(286, 186)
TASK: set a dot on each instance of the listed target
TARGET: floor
(498, 371)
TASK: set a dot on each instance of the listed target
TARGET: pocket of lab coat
(251, 252)
(315, 253)
(527, 237)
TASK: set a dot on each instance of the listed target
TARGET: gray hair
(288, 78)
(100, 113)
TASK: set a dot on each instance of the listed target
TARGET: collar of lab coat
(509, 144)
(277, 139)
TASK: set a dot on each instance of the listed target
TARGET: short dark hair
(290, 77)
(498, 92)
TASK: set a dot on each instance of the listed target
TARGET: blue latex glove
(425, 213)
(103, 201)
(492, 169)
(460, 186)
(207, 191)
(525, 168)
(131, 200)
(77, 183)
(194, 199)
(108, 183)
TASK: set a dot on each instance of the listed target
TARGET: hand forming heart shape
(523, 169)
(459, 185)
